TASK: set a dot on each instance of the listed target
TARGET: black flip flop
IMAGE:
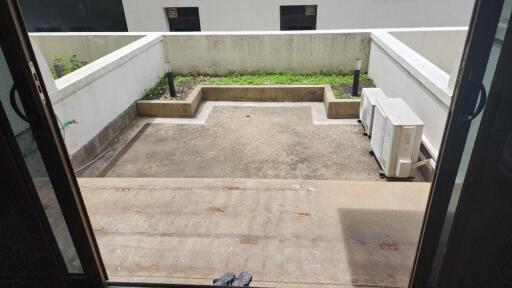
(242, 280)
(224, 280)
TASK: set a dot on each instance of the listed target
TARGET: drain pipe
(170, 80)
(357, 74)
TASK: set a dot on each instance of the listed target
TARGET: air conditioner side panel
(389, 148)
(364, 113)
(370, 117)
(406, 144)
(417, 143)
(379, 123)
(364, 102)
(369, 99)
(367, 115)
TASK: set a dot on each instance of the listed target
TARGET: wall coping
(220, 33)
(428, 74)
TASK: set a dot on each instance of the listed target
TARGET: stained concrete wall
(403, 73)
(87, 46)
(96, 94)
(223, 52)
(264, 15)
(300, 52)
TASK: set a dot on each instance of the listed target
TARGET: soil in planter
(344, 90)
(161, 91)
(184, 84)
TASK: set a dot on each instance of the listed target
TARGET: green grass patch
(340, 83)
(68, 64)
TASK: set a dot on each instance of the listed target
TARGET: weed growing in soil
(68, 64)
(341, 83)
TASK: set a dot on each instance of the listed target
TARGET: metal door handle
(481, 104)
(14, 105)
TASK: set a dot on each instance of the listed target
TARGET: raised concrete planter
(336, 108)
(340, 108)
(171, 108)
(256, 93)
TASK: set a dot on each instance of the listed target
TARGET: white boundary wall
(264, 15)
(97, 93)
(403, 73)
(428, 43)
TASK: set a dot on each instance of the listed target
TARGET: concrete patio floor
(288, 233)
(244, 142)
(276, 189)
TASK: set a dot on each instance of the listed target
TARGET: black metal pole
(355, 81)
(170, 83)
(57, 67)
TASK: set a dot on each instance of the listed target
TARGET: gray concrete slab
(248, 142)
(289, 233)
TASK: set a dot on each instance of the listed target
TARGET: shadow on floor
(380, 244)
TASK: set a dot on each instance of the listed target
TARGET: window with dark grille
(298, 17)
(183, 19)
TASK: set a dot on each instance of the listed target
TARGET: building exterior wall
(264, 15)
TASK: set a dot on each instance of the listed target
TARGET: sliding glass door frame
(33, 95)
(466, 99)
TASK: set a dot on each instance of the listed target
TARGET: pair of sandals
(229, 279)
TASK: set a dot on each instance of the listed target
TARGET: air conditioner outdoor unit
(367, 107)
(396, 137)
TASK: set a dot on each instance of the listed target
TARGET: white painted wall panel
(96, 94)
(429, 44)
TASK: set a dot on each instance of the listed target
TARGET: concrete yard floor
(247, 142)
(288, 233)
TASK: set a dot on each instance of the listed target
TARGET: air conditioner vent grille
(172, 12)
(310, 10)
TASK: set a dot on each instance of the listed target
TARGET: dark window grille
(183, 19)
(298, 17)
